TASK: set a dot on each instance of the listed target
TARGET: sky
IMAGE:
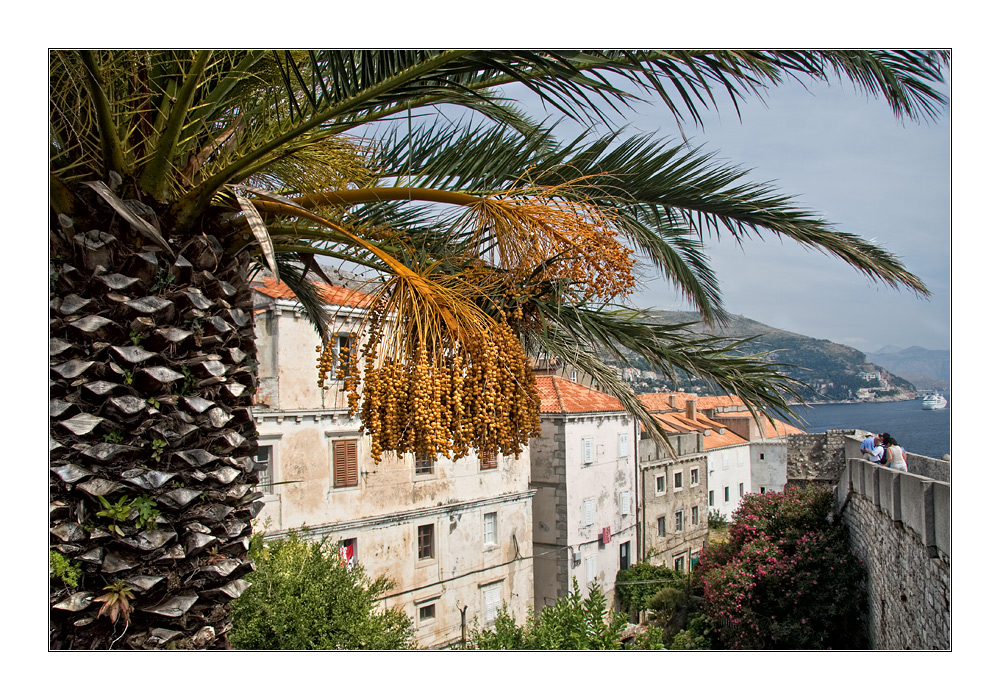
(843, 155)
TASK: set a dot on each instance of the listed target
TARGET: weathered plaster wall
(729, 467)
(563, 483)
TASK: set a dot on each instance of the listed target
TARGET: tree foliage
(573, 623)
(786, 579)
(303, 596)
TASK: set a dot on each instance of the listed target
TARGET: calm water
(922, 432)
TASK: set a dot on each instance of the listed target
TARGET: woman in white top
(895, 458)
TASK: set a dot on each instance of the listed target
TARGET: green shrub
(574, 622)
(302, 596)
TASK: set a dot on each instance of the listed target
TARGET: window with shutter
(345, 463)
(591, 569)
(488, 460)
(623, 444)
(624, 499)
(588, 512)
(491, 602)
(588, 450)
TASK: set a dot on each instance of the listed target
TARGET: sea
(922, 432)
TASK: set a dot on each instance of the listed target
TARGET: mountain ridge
(833, 371)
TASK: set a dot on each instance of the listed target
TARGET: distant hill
(834, 372)
(925, 369)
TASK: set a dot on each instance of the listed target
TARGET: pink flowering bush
(786, 579)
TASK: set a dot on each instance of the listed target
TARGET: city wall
(899, 524)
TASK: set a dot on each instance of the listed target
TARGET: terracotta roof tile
(725, 440)
(331, 294)
(661, 402)
(779, 429)
(560, 395)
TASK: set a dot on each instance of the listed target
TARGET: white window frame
(491, 525)
(432, 618)
(492, 601)
(680, 473)
(678, 521)
(623, 444)
(591, 570)
(588, 512)
(656, 484)
(625, 502)
(694, 515)
(661, 526)
(587, 448)
(695, 478)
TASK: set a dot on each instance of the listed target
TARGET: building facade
(455, 536)
(583, 473)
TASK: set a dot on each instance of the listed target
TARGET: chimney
(670, 400)
(690, 410)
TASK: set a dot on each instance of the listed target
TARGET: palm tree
(177, 175)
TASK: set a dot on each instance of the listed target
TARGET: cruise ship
(934, 401)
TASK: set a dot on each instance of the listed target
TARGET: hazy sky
(844, 156)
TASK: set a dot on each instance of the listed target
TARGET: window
(739, 458)
(725, 460)
(490, 529)
(588, 512)
(426, 613)
(424, 464)
(741, 490)
(340, 347)
(488, 460)
(679, 564)
(694, 515)
(588, 450)
(678, 480)
(572, 375)
(762, 455)
(624, 501)
(264, 465)
(661, 526)
(726, 495)
(345, 463)
(694, 475)
(349, 552)
(679, 521)
(425, 542)
(623, 444)
(491, 602)
(711, 498)
(661, 485)
(591, 569)
(763, 489)
(623, 556)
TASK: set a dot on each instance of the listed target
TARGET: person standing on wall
(871, 448)
(894, 457)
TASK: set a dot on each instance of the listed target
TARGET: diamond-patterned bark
(150, 386)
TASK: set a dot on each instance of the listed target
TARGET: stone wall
(819, 457)
(900, 526)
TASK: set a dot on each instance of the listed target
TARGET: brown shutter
(345, 463)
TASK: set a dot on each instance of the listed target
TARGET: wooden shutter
(588, 512)
(345, 463)
(623, 444)
(588, 450)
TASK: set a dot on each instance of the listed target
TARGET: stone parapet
(900, 525)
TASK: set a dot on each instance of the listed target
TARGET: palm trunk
(151, 381)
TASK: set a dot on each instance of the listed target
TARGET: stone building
(454, 535)
(583, 471)
(673, 522)
(767, 437)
